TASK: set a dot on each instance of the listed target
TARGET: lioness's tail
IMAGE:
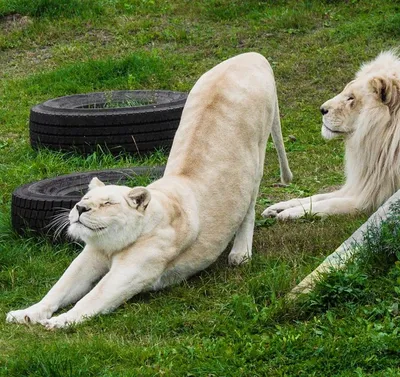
(286, 174)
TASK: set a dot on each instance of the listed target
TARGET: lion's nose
(82, 209)
(324, 110)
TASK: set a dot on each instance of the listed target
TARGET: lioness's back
(220, 145)
(239, 91)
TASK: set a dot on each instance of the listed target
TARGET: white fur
(366, 113)
(147, 238)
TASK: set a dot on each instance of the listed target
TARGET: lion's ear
(95, 182)
(139, 198)
(385, 88)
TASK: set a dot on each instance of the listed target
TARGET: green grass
(223, 322)
(109, 104)
(51, 8)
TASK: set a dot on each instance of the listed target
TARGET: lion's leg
(332, 206)
(242, 244)
(76, 281)
(130, 274)
(306, 203)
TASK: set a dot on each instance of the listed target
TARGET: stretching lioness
(147, 238)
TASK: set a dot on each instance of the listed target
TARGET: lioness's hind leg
(242, 244)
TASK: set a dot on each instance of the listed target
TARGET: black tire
(34, 206)
(69, 123)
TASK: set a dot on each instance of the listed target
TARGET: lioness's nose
(82, 209)
(324, 110)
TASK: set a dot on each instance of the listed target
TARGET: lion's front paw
(33, 314)
(291, 213)
(274, 210)
(269, 212)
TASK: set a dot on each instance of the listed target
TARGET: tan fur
(366, 114)
(148, 238)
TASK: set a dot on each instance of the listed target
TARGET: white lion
(147, 238)
(366, 113)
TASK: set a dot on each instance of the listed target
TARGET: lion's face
(345, 113)
(110, 216)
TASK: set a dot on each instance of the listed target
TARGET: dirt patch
(9, 136)
(15, 21)
(102, 36)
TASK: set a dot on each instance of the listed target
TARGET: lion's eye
(350, 98)
(107, 203)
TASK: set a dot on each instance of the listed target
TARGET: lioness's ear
(95, 182)
(139, 198)
(384, 88)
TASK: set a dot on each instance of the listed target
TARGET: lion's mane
(372, 151)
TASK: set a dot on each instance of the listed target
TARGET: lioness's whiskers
(60, 221)
(60, 229)
(57, 219)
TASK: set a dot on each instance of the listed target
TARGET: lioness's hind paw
(236, 259)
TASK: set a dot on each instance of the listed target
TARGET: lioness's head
(367, 101)
(109, 216)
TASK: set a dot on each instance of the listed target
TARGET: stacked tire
(134, 121)
(86, 122)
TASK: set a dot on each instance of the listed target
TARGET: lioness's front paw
(33, 314)
(59, 322)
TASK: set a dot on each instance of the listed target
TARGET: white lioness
(147, 238)
(366, 113)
